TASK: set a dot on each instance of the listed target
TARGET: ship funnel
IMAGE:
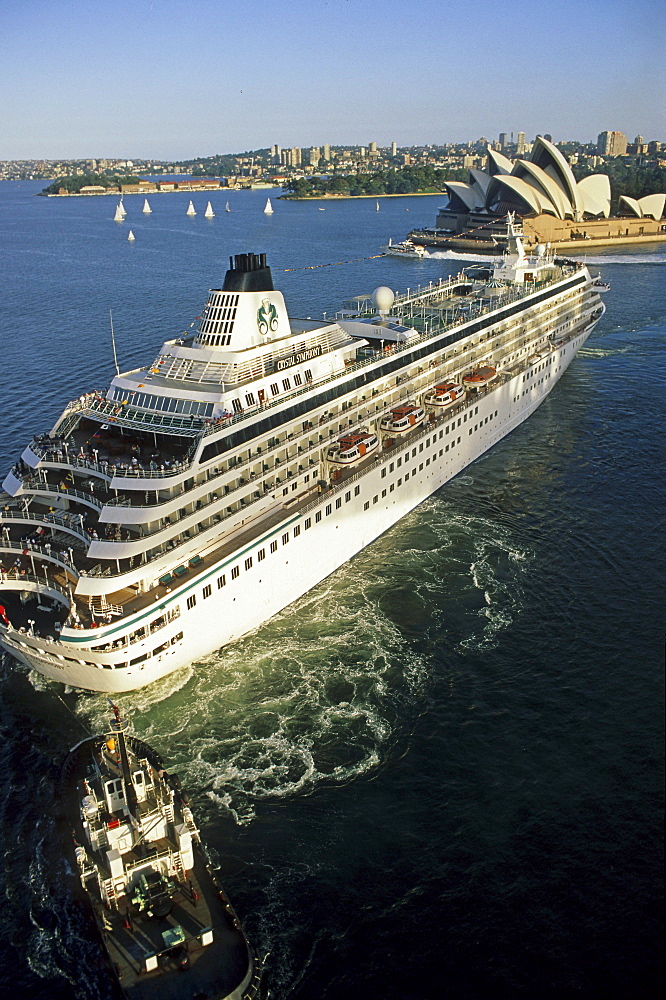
(248, 272)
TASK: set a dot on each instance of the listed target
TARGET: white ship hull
(240, 607)
(219, 567)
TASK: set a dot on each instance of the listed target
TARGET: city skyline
(166, 80)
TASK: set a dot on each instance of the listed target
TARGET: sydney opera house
(544, 192)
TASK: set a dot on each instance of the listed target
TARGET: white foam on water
(457, 255)
(639, 258)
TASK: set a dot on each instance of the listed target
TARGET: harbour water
(440, 774)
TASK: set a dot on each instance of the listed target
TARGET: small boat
(122, 208)
(352, 447)
(403, 418)
(163, 918)
(130, 236)
(120, 214)
(209, 213)
(191, 209)
(444, 394)
(268, 208)
(146, 207)
(405, 249)
(226, 207)
(600, 285)
(376, 206)
(479, 377)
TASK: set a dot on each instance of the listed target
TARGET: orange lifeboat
(444, 394)
(403, 418)
(352, 448)
(479, 377)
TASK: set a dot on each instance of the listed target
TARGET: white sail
(268, 210)
(131, 236)
(226, 207)
(376, 206)
(209, 213)
(190, 209)
(121, 208)
(146, 207)
(120, 215)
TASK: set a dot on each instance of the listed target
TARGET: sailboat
(130, 236)
(119, 216)
(121, 208)
(146, 207)
(268, 210)
(191, 209)
(376, 206)
(209, 213)
(226, 207)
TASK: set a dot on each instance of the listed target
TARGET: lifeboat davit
(403, 418)
(444, 394)
(352, 448)
(479, 377)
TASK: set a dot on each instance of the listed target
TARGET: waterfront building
(612, 143)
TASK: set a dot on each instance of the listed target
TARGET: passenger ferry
(197, 496)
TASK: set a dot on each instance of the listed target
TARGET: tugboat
(352, 448)
(403, 418)
(166, 924)
(444, 394)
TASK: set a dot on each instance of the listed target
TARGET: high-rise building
(502, 140)
(639, 140)
(326, 153)
(314, 155)
(372, 146)
(394, 149)
(520, 144)
(612, 143)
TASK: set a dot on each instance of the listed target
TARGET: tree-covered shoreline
(408, 180)
(73, 185)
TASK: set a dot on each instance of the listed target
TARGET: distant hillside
(408, 180)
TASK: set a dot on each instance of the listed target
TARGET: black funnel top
(248, 273)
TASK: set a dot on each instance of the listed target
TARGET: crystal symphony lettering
(299, 358)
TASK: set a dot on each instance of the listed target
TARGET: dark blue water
(441, 774)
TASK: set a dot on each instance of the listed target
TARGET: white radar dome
(383, 298)
(540, 249)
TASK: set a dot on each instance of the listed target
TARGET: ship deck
(215, 970)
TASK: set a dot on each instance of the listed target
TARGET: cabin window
(357, 490)
(237, 406)
(221, 580)
(273, 546)
(348, 496)
(235, 573)
(338, 503)
(297, 531)
(191, 601)
(248, 562)
(298, 380)
(308, 523)
(383, 494)
(285, 538)
(286, 384)
(318, 517)
(275, 389)
(308, 375)
(366, 505)
(329, 508)
(249, 398)
(383, 473)
(207, 591)
(261, 554)
(375, 499)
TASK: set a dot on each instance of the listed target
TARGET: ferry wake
(199, 495)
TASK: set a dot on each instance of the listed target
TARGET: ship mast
(118, 727)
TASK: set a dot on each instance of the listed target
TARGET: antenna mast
(113, 341)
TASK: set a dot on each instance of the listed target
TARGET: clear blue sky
(178, 78)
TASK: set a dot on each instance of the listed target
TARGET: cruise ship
(197, 496)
